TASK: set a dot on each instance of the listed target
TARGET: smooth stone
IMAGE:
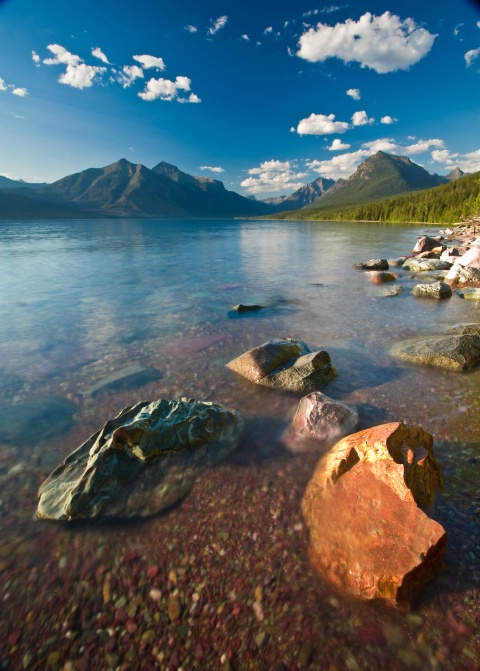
(322, 418)
(464, 329)
(425, 265)
(373, 264)
(141, 462)
(393, 292)
(368, 536)
(32, 422)
(433, 290)
(396, 263)
(455, 352)
(382, 277)
(285, 364)
(133, 375)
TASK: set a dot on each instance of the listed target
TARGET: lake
(85, 308)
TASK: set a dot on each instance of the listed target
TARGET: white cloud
(383, 43)
(469, 162)
(245, 37)
(268, 30)
(341, 166)
(388, 119)
(98, 53)
(273, 176)
(165, 89)
(211, 168)
(129, 74)
(390, 146)
(361, 119)
(471, 56)
(442, 155)
(191, 29)
(36, 58)
(338, 145)
(321, 124)
(150, 62)
(217, 25)
(22, 92)
(78, 74)
(353, 93)
(456, 30)
(3, 86)
(192, 98)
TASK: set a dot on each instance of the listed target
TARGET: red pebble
(130, 556)
(199, 654)
(130, 626)
(14, 636)
(458, 627)
(236, 611)
(152, 571)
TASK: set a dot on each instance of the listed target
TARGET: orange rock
(368, 536)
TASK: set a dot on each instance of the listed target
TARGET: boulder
(458, 274)
(451, 254)
(373, 264)
(141, 462)
(396, 262)
(322, 418)
(368, 536)
(432, 290)
(455, 352)
(426, 244)
(285, 363)
(464, 329)
(382, 277)
(424, 265)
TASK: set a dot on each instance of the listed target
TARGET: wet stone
(132, 376)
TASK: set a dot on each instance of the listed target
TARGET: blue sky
(265, 96)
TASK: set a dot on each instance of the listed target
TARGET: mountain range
(124, 189)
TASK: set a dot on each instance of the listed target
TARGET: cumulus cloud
(165, 89)
(3, 86)
(246, 38)
(361, 119)
(98, 53)
(17, 91)
(192, 98)
(471, 56)
(273, 176)
(321, 124)
(383, 43)
(268, 30)
(341, 166)
(442, 155)
(211, 168)
(36, 58)
(150, 62)
(78, 74)
(469, 162)
(129, 74)
(338, 145)
(353, 93)
(388, 119)
(191, 29)
(456, 30)
(217, 25)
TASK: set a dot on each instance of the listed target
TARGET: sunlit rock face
(322, 418)
(141, 462)
(368, 536)
(458, 352)
(285, 363)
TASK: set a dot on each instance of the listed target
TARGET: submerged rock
(36, 421)
(141, 462)
(246, 308)
(381, 277)
(368, 536)
(133, 375)
(432, 290)
(373, 264)
(456, 352)
(285, 363)
(323, 418)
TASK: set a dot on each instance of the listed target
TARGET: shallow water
(81, 301)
